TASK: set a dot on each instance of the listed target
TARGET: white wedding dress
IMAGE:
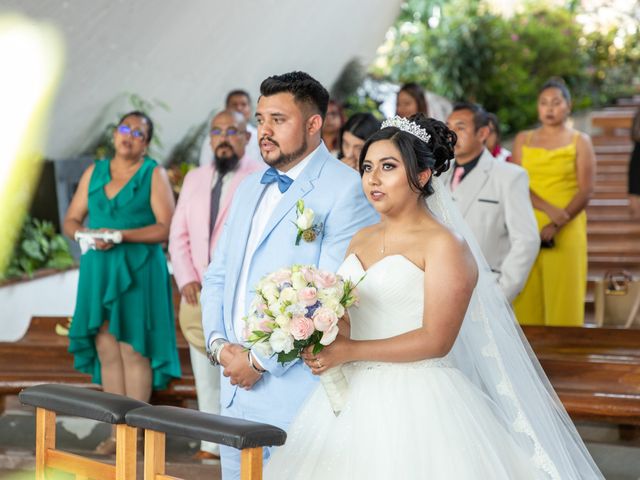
(419, 420)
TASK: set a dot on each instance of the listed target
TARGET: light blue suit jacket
(334, 192)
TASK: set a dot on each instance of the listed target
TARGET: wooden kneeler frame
(47, 456)
(81, 402)
(154, 459)
(248, 437)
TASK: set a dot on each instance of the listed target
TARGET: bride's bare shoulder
(450, 251)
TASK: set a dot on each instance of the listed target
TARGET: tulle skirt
(422, 420)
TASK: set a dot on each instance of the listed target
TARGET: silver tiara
(407, 126)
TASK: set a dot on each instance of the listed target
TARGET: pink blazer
(189, 244)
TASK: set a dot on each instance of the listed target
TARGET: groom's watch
(213, 354)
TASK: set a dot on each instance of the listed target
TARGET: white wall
(190, 53)
(50, 296)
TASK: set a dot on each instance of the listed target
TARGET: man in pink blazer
(201, 212)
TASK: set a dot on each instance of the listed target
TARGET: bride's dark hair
(417, 155)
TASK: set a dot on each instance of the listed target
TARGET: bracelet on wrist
(252, 365)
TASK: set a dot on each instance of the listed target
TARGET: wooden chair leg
(45, 439)
(126, 451)
(251, 464)
(154, 452)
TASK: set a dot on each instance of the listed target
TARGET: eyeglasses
(229, 132)
(135, 133)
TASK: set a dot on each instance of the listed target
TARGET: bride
(442, 384)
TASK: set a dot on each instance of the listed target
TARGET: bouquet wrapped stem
(336, 387)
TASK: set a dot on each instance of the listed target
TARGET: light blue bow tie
(272, 175)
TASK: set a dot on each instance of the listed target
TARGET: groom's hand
(236, 367)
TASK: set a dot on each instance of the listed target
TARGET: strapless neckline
(382, 260)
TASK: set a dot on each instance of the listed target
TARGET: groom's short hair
(304, 88)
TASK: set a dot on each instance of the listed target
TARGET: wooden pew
(41, 356)
(609, 121)
(595, 371)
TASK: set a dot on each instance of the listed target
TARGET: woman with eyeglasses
(123, 329)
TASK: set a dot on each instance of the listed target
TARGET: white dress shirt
(267, 204)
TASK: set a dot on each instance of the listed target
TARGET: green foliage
(39, 246)
(187, 151)
(103, 146)
(463, 51)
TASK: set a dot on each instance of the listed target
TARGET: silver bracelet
(214, 354)
(253, 367)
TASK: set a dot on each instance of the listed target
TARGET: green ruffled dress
(128, 286)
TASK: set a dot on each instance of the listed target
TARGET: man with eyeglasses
(202, 208)
(237, 101)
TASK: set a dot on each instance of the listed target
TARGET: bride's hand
(330, 356)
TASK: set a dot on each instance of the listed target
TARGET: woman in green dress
(123, 330)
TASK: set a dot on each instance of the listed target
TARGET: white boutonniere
(307, 230)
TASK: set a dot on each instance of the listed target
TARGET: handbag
(617, 299)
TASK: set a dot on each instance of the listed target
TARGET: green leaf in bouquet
(317, 348)
(288, 357)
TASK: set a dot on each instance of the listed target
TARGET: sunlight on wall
(31, 56)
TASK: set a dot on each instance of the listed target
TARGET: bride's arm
(450, 276)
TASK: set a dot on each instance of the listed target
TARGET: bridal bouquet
(298, 307)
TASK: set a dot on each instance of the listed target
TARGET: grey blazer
(494, 200)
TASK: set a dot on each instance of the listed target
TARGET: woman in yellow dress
(561, 166)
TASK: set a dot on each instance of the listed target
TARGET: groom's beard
(286, 158)
(225, 163)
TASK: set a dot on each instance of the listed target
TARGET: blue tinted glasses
(135, 133)
(230, 132)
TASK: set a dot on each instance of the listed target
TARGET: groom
(260, 237)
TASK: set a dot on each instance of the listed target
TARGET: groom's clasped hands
(234, 358)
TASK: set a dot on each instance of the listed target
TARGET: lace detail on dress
(477, 313)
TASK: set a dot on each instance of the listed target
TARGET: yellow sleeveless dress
(555, 291)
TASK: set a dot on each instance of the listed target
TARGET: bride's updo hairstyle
(418, 155)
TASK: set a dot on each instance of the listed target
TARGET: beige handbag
(617, 300)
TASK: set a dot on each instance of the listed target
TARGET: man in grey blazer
(494, 199)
